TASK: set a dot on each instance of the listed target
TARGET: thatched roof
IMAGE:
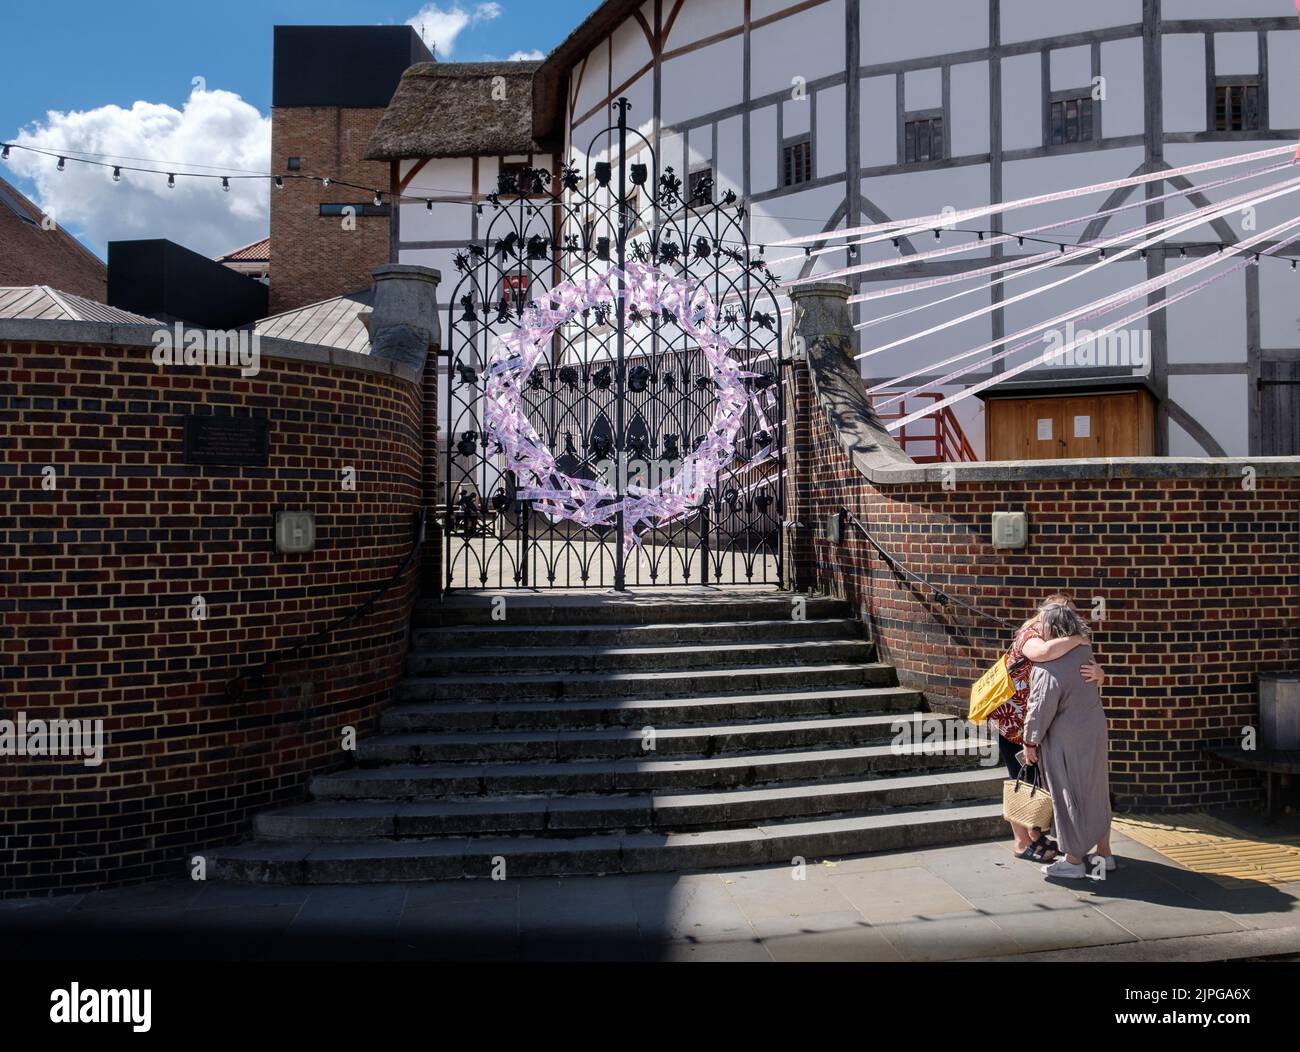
(450, 109)
(549, 84)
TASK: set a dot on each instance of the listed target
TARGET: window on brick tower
(796, 162)
(1236, 104)
(923, 139)
(1072, 120)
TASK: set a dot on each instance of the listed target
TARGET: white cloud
(526, 56)
(440, 26)
(215, 128)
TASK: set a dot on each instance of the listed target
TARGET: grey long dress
(1065, 719)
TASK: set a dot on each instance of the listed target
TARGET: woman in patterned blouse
(1009, 719)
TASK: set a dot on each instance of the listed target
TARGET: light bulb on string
(117, 174)
(61, 165)
(4, 154)
(171, 181)
(225, 183)
(279, 182)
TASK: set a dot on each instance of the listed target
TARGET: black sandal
(1041, 850)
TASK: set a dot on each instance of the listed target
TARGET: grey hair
(1059, 619)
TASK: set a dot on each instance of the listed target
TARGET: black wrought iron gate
(620, 396)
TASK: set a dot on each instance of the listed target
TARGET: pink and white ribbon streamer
(646, 291)
(920, 224)
(1160, 231)
(1100, 307)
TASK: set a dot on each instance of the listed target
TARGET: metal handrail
(254, 676)
(943, 596)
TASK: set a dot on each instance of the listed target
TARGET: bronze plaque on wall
(241, 441)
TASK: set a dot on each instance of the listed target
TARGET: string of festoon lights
(1123, 245)
(430, 196)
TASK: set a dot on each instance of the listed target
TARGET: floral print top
(1009, 719)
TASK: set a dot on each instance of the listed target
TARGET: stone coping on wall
(95, 333)
(842, 395)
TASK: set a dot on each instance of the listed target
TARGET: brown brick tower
(331, 85)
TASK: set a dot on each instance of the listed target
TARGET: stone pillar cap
(385, 271)
(822, 288)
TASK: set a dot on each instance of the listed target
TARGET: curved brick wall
(1199, 574)
(98, 579)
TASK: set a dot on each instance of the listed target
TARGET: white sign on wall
(1045, 430)
(1083, 427)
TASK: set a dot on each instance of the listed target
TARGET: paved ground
(974, 901)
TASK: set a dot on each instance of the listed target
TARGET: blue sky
(101, 59)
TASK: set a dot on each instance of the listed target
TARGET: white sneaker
(1064, 868)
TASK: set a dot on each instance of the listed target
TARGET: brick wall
(99, 575)
(37, 253)
(1197, 572)
(312, 256)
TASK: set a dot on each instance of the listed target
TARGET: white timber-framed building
(823, 114)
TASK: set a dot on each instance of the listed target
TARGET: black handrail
(943, 596)
(235, 688)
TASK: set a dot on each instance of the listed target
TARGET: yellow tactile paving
(1227, 854)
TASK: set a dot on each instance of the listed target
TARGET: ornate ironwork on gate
(620, 396)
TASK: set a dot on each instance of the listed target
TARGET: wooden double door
(1070, 426)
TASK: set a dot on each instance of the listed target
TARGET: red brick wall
(46, 254)
(98, 579)
(1199, 578)
(312, 256)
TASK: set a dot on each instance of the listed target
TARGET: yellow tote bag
(990, 692)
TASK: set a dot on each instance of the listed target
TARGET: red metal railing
(937, 438)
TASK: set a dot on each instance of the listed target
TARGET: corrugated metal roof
(331, 323)
(42, 303)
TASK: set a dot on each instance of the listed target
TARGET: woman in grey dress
(1065, 733)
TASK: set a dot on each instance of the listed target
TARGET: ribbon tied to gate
(647, 292)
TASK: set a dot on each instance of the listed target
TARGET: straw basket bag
(1026, 803)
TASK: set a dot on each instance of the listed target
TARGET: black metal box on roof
(164, 280)
(349, 66)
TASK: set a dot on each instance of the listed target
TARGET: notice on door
(1083, 427)
(1045, 430)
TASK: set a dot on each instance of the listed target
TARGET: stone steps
(452, 857)
(743, 680)
(672, 657)
(576, 815)
(583, 713)
(525, 740)
(423, 781)
(686, 605)
(646, 743)
(512, 636)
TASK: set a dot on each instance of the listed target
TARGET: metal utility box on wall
(1062, 420)
(1010, 529)
(1279, 711)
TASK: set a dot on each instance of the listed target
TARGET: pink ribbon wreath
(647, 291)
